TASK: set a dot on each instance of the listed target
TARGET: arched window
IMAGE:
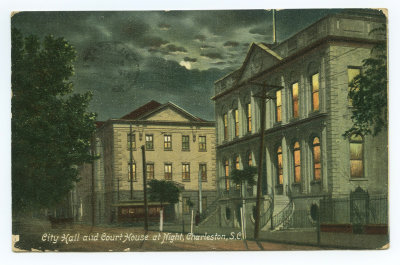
(297, 162)
(278, 106)
(356, 156)
(248, 112)
(316, 150)
(226, 169)
(249, 159)
(237, 162)
(295, 100)
(315, 91)
(236, 121)
(279, 166)
(225, 126)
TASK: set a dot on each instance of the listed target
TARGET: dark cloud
(263, 30)
(200, 37)
(174, 48)
(212, 55)
(206, 47)
(231, 44)
(188, 59)
(164, 26)
(152, 41)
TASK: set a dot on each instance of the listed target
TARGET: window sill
(316, 182)
(203, 150)
(167, 149)
(185, 180)
(149, 149)
(185, 150)
(132, 181)
(358, 179)
(204, 181)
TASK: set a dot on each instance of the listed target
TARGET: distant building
(306, 160)
(179, 147)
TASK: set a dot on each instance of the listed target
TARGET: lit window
(168, 171)
(186, 172)
(352, 72)
(279, 166)
(225, 126)
(226, 166)
(167, 142)
(237, 167)
(149, 142)
(203, 172)
(131, 141)
(250, 159)
(185, 142)
(150, 171)
(295, 100)
(315, 92)
(356, 156)
(248, 117)
(133, 171)
(297, 162)
(236, 120)
(317, 159)
(202, 143)
(279, 106)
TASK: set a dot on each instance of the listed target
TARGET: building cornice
(274, 129)
(294, 56)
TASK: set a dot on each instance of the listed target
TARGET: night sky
(130, 58)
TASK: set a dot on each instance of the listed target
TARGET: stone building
(179, 147)
(306, 159)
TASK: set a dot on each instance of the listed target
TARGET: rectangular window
(203, 172)
(295, 100)
(315, 92)
(186, 208)
(133, 171)
(150, 171)
(236, 120)
(279, 106)
(280, 166)
(352, 72)
(356, 157)
(185, 172)
(130, 139)
(185, 143)
(225, 126)
(149, 142)
(168, 171)
(249, 117)
(202, 143)
(167, 142)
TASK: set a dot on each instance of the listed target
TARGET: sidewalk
(295, 237)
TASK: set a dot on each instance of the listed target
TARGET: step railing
(208, 211)
(283, 215)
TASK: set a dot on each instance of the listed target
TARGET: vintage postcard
(199, 130)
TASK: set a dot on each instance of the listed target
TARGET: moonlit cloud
(175, 55)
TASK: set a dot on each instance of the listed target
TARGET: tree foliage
(239, 176)
(51, 127)
(368, 92)
(163, 191)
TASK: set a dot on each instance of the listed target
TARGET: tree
(239, 177)
(51, 127)
(368, 92)
(163, 191)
